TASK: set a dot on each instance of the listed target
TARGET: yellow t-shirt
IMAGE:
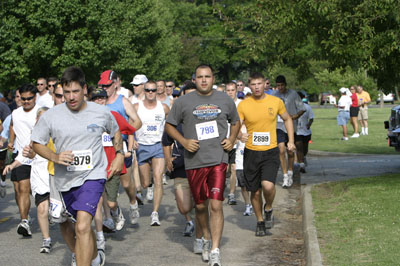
(259, 117)
(363, 97)
(50, 166)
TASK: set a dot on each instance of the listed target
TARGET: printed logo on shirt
(159, 118)
(271, 111)
(206, 111)
(92, 128)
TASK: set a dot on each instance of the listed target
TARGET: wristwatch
(120, 151)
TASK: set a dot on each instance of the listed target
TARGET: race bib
(150, 129)
(55, 207)
(207, 130)
(261, 139)
(83, 160)
(106, 140)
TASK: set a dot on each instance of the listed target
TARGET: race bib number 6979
(83, 160)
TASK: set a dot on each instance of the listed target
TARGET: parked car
(327, 97)
(393, 127)
(389, 98)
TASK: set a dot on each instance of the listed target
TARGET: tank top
(153, 121)
(118, 107)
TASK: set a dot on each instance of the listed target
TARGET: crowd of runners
(71, 146)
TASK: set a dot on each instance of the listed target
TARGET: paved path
(165, 245)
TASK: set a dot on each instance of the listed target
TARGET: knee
(216, 206)
(201, 208)
(42, 209)
(112, 205)
(82, 228)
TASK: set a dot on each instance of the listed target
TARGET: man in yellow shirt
(261, 155)
(364, 99)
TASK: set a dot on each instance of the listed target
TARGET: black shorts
(21, 173)
(3, 155)
(40, 198)
(282, 136)
(128, 161)
(240, 178)
(232, 156)
(304, 139)
(178, 172)
(354, 111)
(260, 166)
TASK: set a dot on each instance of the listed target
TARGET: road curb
(337, 154)
(313, 254)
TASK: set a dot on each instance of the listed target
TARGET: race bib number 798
(207, 130)
(83, 160)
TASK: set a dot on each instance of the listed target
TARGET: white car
(389, 98)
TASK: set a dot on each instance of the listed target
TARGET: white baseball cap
(139, 79)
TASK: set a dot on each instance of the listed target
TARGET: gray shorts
(240, 178)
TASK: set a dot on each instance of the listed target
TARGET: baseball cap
(107, 77)
(99, 92)
(176, 92)
(139, 79)
(240, 95)
(343, 90)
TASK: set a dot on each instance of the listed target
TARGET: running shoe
(302, 168)
(269, 218)
(73, 260)
(164, 180)
(290, 178)
(285, 183)
(118, 219)
(149, 194)
(198, 246)
(355, 135)
(3, 189)
(139, 198)
(154, 220)
(205, 253)
(102, 257)
(134, 213)
(215, 258)
(108, 226)
(231, 199)
(101, 244)
(24, 229)
(344, 138)
(248, 211)
(189, 229)
(46, 246)
(260, 229)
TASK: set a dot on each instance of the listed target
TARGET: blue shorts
(147, 152)
(343, 118)
(128, 161)
(84, 198)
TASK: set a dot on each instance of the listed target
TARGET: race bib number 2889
(261, 139)
(83, 160)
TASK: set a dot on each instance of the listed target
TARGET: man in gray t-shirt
(295, 108)
(204, 115)
(80, 162)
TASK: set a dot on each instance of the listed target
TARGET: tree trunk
(381, 102)
(396, 90)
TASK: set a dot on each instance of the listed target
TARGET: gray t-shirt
(77, 132)
(198, 115)
(293, 104)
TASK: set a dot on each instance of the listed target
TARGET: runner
(80, 161)
(204, 115)
(153, 114)
(261, 155)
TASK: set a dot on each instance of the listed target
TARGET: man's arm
(296, 116)
(63, 158)
(117, 164)
(166, 110)
(290, 131)
(190, 145)
(11, 138)
(228, 143)
(131, 112)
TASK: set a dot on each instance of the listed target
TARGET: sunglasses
(27, 98)
(148, 90)
(40, 84)
(58, 96)
(170, 86)
(106, 86)
(52, 85)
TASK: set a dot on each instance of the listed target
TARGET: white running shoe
(344, 138)
(355, 135)
(101, 244)
(285, 183)
(118, 218)
(198, 246)
(150, 194)
(108, 225)
(102, 257)
(3, 189)
(46, 246)
(290, 178)
(205, 254)
(215, 258)
(248, 211)
(24, 229)
(134, 213)
(154, 220)
(164, 180)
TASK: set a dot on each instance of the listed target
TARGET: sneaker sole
(155, 224)
(107, 230)
(22, 231)
(45, 250)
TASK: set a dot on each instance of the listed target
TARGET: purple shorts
(84, 198)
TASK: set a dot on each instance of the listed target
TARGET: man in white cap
(138, 88)
(343, 111)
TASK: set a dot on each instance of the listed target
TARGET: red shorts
(207, 182)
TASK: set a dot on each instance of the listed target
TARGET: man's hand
(291, 146)
(28, 151)
(64, 158)
(10, 146)
(116, 165)
(170, 165)
(191, 145)
(244, 137)
(227, 145)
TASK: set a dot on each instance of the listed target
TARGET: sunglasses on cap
(149, 90)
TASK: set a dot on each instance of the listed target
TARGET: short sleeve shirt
(364, 97)
(303, 121)
(205, 118)
(76, 131)
(259, 117)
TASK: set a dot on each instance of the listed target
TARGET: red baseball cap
(107, 77)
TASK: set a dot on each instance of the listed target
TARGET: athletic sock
(363, 130)
(100, 235)
(366, 131)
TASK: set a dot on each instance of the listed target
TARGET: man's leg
(158, 165)
(68, 232)
(43, 218)
(203, 219)
(282, 157)
(22, 195)
(216, 222)
(256, 201)
(232, 185)
(344, 127)
(129, 185)
(269, 193)
(86, 249)
(366, 126)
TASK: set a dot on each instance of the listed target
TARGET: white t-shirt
(240, 151)
(23, 123)
(45, 100)
(39, 176)
(124, 92)
(344, 101)
(303, 121)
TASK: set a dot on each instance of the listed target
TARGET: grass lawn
(326, 133)
(358, 221)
